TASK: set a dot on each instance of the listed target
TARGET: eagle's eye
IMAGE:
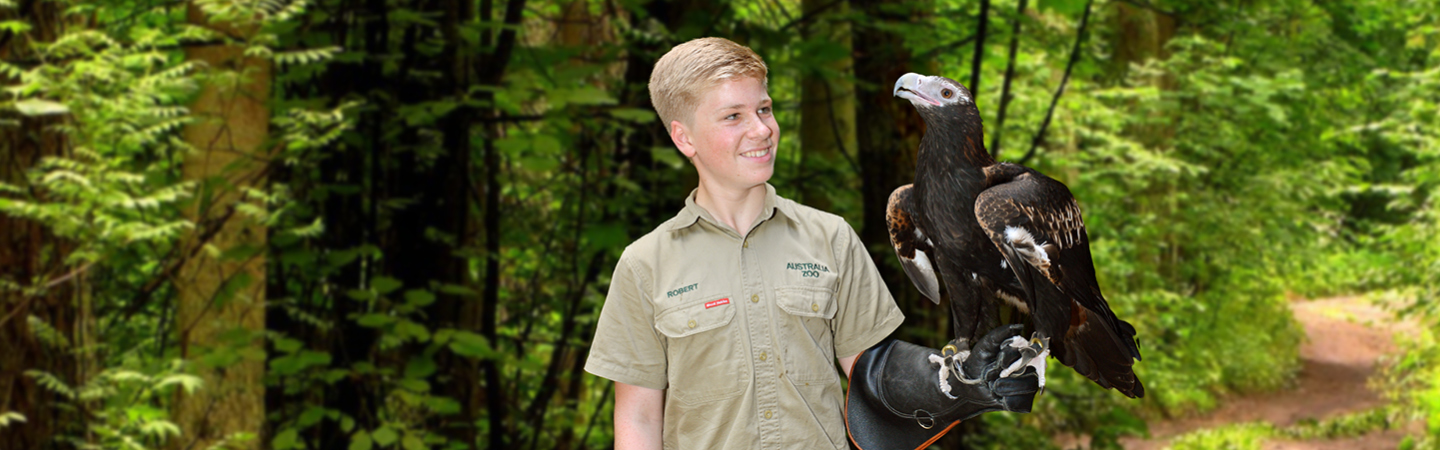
(947, 93)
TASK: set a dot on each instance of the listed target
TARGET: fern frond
(306, 56)
(9, 417)
(189, 383)
(47, 334)
(51, 382)
(312, 230)
(290, 11)
(160, 429)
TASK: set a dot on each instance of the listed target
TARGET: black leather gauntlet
(898, 399)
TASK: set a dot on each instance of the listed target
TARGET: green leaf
(384, 436)
(285, 440)
(420, 366)
(186, 381)
(640, 115)
(419, 297)
(384, 285)
(40, 107)
(413, 442)
(465, 343)
(9, 417)
(293, 364)
(414, 385)
(161, 429)
(586, 95)
(1067, 7)
(288, 345)
(361, 440)
(443, 405)
(669, 156)
(311, 416)
(374, 320)
(413, 330)
(15, 26)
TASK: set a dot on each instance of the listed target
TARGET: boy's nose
(760, 130)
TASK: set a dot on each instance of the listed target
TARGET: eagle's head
(951, 117)
(928, 92)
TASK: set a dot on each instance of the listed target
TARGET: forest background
(357, 224)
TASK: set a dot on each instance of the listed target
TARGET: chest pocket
(703, 350)
(809, 339)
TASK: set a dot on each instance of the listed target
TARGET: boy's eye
(765, 110)
(732, 116)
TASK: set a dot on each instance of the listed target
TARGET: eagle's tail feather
(1096, 351)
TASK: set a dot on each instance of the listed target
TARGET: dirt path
(1346, 336)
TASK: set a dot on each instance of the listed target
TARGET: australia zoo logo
(808, 270)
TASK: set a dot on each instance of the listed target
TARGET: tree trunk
(888, 142)
(31, 255)
(221, 309)
(827, 106)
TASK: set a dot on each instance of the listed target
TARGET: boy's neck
(731, 206)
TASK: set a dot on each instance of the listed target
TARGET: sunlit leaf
(40, 107)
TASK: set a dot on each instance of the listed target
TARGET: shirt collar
(693, 211)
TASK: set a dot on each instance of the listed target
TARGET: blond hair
(689, 69)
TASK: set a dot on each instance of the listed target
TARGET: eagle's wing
(1035, 222)
(910, 243)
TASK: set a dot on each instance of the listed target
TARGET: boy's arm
(639, 417)
(848, 362)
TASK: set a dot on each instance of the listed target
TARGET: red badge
(723, 301)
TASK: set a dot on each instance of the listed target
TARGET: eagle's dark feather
(911, 245)
(1033, 210)
(993, 231)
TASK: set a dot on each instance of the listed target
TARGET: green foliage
(1253, 436)
(1274, 148)
(122, 103)
(125, 407)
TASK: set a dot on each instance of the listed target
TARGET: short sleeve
(867, 310)
(626, 348)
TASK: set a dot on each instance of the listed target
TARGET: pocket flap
(705, 315)
(807, 301)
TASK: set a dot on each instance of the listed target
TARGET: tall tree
(827, 100)
(32, 257)
(220, 315)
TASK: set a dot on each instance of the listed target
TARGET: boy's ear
(681, 135)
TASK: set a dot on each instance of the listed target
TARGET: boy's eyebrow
(742, 105)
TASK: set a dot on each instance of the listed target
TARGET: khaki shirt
(743, 333)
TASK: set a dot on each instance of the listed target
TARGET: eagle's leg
(1033, 353)
(949, 360)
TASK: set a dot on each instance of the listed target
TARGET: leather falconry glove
(898, 397)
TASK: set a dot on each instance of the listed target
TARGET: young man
(722, 326)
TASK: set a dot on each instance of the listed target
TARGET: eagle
(1001, 233)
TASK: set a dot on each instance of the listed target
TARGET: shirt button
(815, 307)
(762, 356)
(692, 324)
(767, 414)
(747, 244)
(754, 298)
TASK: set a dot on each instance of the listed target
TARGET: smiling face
(732, 137)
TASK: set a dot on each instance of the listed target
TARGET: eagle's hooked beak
(908, 87)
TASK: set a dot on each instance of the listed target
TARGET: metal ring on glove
(921, 421)
(949, 349)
